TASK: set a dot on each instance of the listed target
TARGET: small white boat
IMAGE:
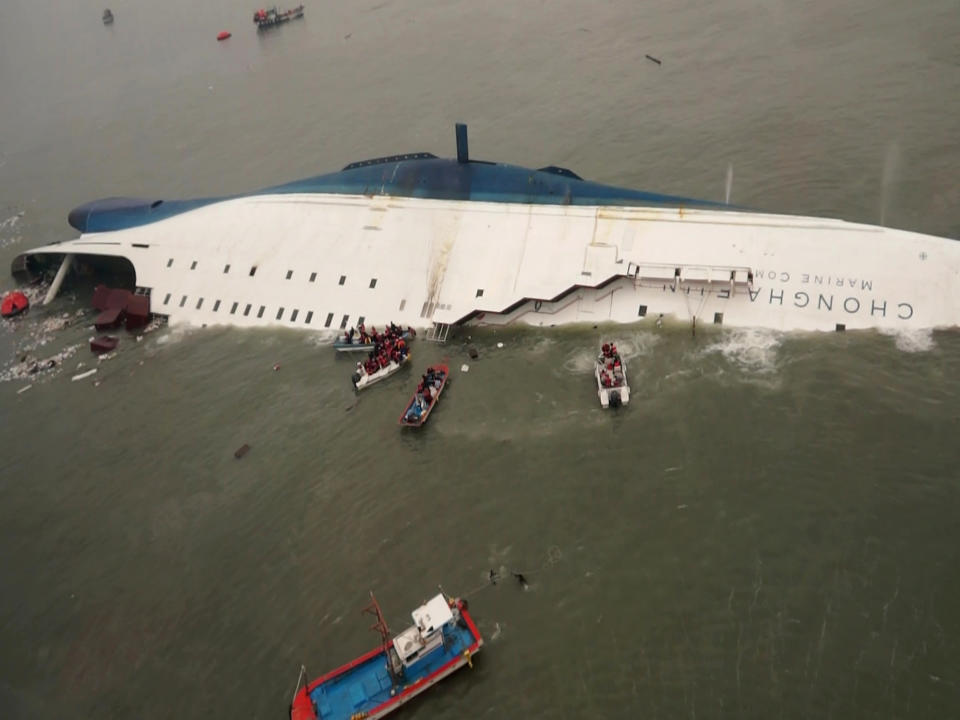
(362, 379)
(611, 373)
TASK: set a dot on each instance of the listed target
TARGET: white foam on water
(751, 349)
(11, 222)
(580, 362)
(321, 339)
(630, 345)
(912, 341)
(175, 334)
(637, 344)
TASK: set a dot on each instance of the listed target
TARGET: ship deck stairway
(437, 333)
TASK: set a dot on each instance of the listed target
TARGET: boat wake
(630, 345)
(753, 350)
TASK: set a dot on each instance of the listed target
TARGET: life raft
(13, 304)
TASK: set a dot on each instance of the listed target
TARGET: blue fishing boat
(442, 639)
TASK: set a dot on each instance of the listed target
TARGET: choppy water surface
(769, 529)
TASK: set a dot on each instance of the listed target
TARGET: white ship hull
(329, 261)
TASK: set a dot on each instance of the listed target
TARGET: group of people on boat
(385, 348)
(430, 384)
(611, 373)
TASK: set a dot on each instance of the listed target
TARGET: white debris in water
(29, 366)
(23, 389)
(499, 344)
(83, 375)
(464, 368)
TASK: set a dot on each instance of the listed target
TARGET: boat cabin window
(199, 303)
(309, 317)
(279, 313)
(234, 308)
(193, 265)
(253, 271)
(289, 274)
(343, 279)
(183, 301)
(246, 310)
(216, 306)
(313, 276)
(293, 315)
(343, 323)
(642, 312)
(261, 310)
(373, 283)
(166, 299)
(329, 320)
(169, 262)
(226, 269)
(479, 292)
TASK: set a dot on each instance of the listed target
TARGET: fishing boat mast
(381, 627)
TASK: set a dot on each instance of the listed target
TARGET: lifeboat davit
(13, 304)
(223, 35)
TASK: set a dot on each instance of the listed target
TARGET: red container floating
(14, 304)
(104, 343)
(223, 35)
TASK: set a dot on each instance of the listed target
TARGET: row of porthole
(308, 318)
(313, 275)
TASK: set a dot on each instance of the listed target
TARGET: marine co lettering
(808, 279)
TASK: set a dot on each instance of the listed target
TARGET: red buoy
(13, 304)
(223, 35)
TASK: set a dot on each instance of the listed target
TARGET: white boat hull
(425, 261)
(383, 373)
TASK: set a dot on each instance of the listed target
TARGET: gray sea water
(770, 529)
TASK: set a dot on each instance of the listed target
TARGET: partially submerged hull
(431, 242)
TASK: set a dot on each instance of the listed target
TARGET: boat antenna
(381, 627)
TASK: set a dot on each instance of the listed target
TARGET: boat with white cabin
(442, 639)
(436, 243)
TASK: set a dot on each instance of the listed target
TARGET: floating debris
(83, 375)
(23, 389)
(464, 368)
(651, 58)
(241, 451)
(499, 344)
(473, 352)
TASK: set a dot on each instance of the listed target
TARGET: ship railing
(437, 333)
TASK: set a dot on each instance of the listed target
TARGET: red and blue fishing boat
(442, 639)
(425, 399)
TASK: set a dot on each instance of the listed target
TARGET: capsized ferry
(434, 243)
(442, 639)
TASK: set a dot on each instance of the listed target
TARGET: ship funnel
(463, 155)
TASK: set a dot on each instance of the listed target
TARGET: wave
(751, 349)
(912, 341)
